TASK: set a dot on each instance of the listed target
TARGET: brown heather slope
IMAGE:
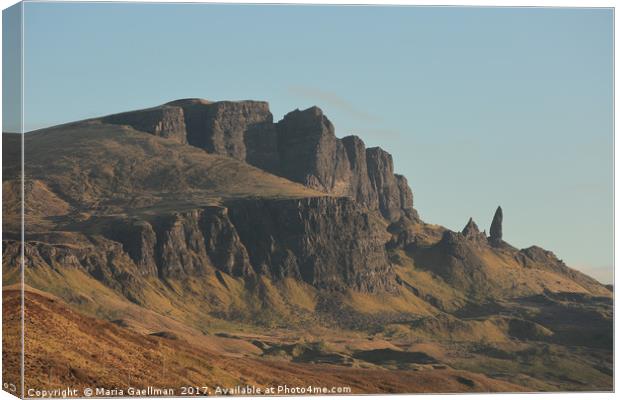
(67, 348)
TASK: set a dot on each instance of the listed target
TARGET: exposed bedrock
(327, 242)
(359, 183)
(165, 121)
(183, 244)
(496, 227)
(471, 232)
(302, 147)
(311, 154)
(102, 258)
(240, 129)
(393, 193)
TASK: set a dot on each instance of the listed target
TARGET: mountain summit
(302, 147)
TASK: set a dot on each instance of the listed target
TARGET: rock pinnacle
(496, 226)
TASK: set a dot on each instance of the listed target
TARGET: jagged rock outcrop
(165, 121)
(184, 244)
(359, 183)
(302, 147)
(328, 242)
(385, 184)
(138, 239)
(469, 261)
(325, 241)
(102, 258)
(180, 247)
(240, 129)
(176, 246)
(223, 244)
(471, 232)
(496, 227)
(406, 195)
(455, 244)
(311, 154)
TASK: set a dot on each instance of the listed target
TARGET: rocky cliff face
(406, 195)
(240, 129)
(311, 154)
(302, 147)
(359, 182)
(138, 239)
(100, 257)
(243, 130)
(183, 244)
(393, 193)
(165, 121)
(329, 243)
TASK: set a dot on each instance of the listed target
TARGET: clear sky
(480, 107)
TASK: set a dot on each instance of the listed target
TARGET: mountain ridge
(301, 147)
(211, 214)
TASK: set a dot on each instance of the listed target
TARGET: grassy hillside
(68, 348)
(95, 168)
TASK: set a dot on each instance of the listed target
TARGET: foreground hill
(208, 222)
(112, 357)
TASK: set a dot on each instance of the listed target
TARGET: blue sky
(479, 106)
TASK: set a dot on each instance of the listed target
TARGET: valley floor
(66, 349)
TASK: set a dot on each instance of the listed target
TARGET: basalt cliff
(200, 221)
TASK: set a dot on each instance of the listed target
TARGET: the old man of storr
(228, 199)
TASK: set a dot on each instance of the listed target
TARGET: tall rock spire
(496, 226)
